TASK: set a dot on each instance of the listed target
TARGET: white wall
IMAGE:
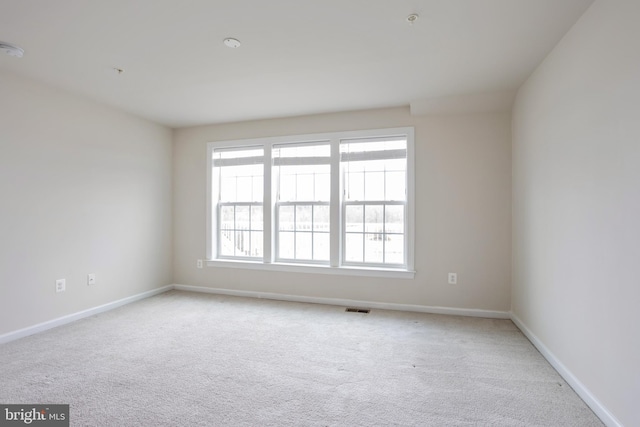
(83, 189)
(576, 193)
(463, 211)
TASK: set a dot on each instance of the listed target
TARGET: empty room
(335, 213)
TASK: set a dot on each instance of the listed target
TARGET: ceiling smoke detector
(412, 18)
(231, 42)
(11, 50)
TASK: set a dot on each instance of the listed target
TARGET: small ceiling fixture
(118, 71)
(11, 50)
(231, 42)
(412, 18)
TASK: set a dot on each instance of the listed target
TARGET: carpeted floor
(185, 359)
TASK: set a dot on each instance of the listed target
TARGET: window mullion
(384, 233)
(267, 207)
(335, 208)
(364, 230)
(295, 228)
(313, 209)
(235, 231)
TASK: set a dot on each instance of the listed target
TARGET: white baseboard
(349, 303)
(20, 333)
(596, 406)
(40, 327)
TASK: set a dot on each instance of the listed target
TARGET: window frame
(336, 264)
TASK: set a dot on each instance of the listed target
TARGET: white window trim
(269, 262)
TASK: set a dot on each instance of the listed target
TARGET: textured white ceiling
(297, 56)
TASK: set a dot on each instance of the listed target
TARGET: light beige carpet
(185, 359)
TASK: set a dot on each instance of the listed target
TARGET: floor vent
(357, 310)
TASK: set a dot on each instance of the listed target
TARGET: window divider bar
(268, 224)
(335, 211)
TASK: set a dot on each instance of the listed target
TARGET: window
(239, 190)
(332, 203)
(302, 174)
(374, 201)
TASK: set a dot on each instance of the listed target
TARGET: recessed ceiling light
(412, 18)
(11, 50)
(231, 42)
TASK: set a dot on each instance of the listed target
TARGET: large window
(302, 174)
(338, 203)
(239, 192)
(374, 200)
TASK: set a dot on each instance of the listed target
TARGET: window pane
(285, 218)
(303, 245)
(228, 189)
(395, 165)
(256, 218)
(243, 247)
(353, 247)
(374, 165)
(226, 218)
(258, 189)
(394, 219)
(241, 183)
(373, 218)
(245, 188)
(304, 190)
(323, 187)
(227, 242)
(321, 246)
(242, 217)
(354, 167)
(304, 171)
(394, 249)
(354, 218)
(321, 218)
(303, 218)
(373, 247)
(355, 186)
(287, 186)
(256, 244)
(395, 186)
(374, 186)
(285, 244)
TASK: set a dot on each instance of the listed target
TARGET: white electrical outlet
(199, 263)
(453, 278)
(61, 285)
(91, 279)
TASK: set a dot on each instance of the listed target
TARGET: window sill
(314, 269)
